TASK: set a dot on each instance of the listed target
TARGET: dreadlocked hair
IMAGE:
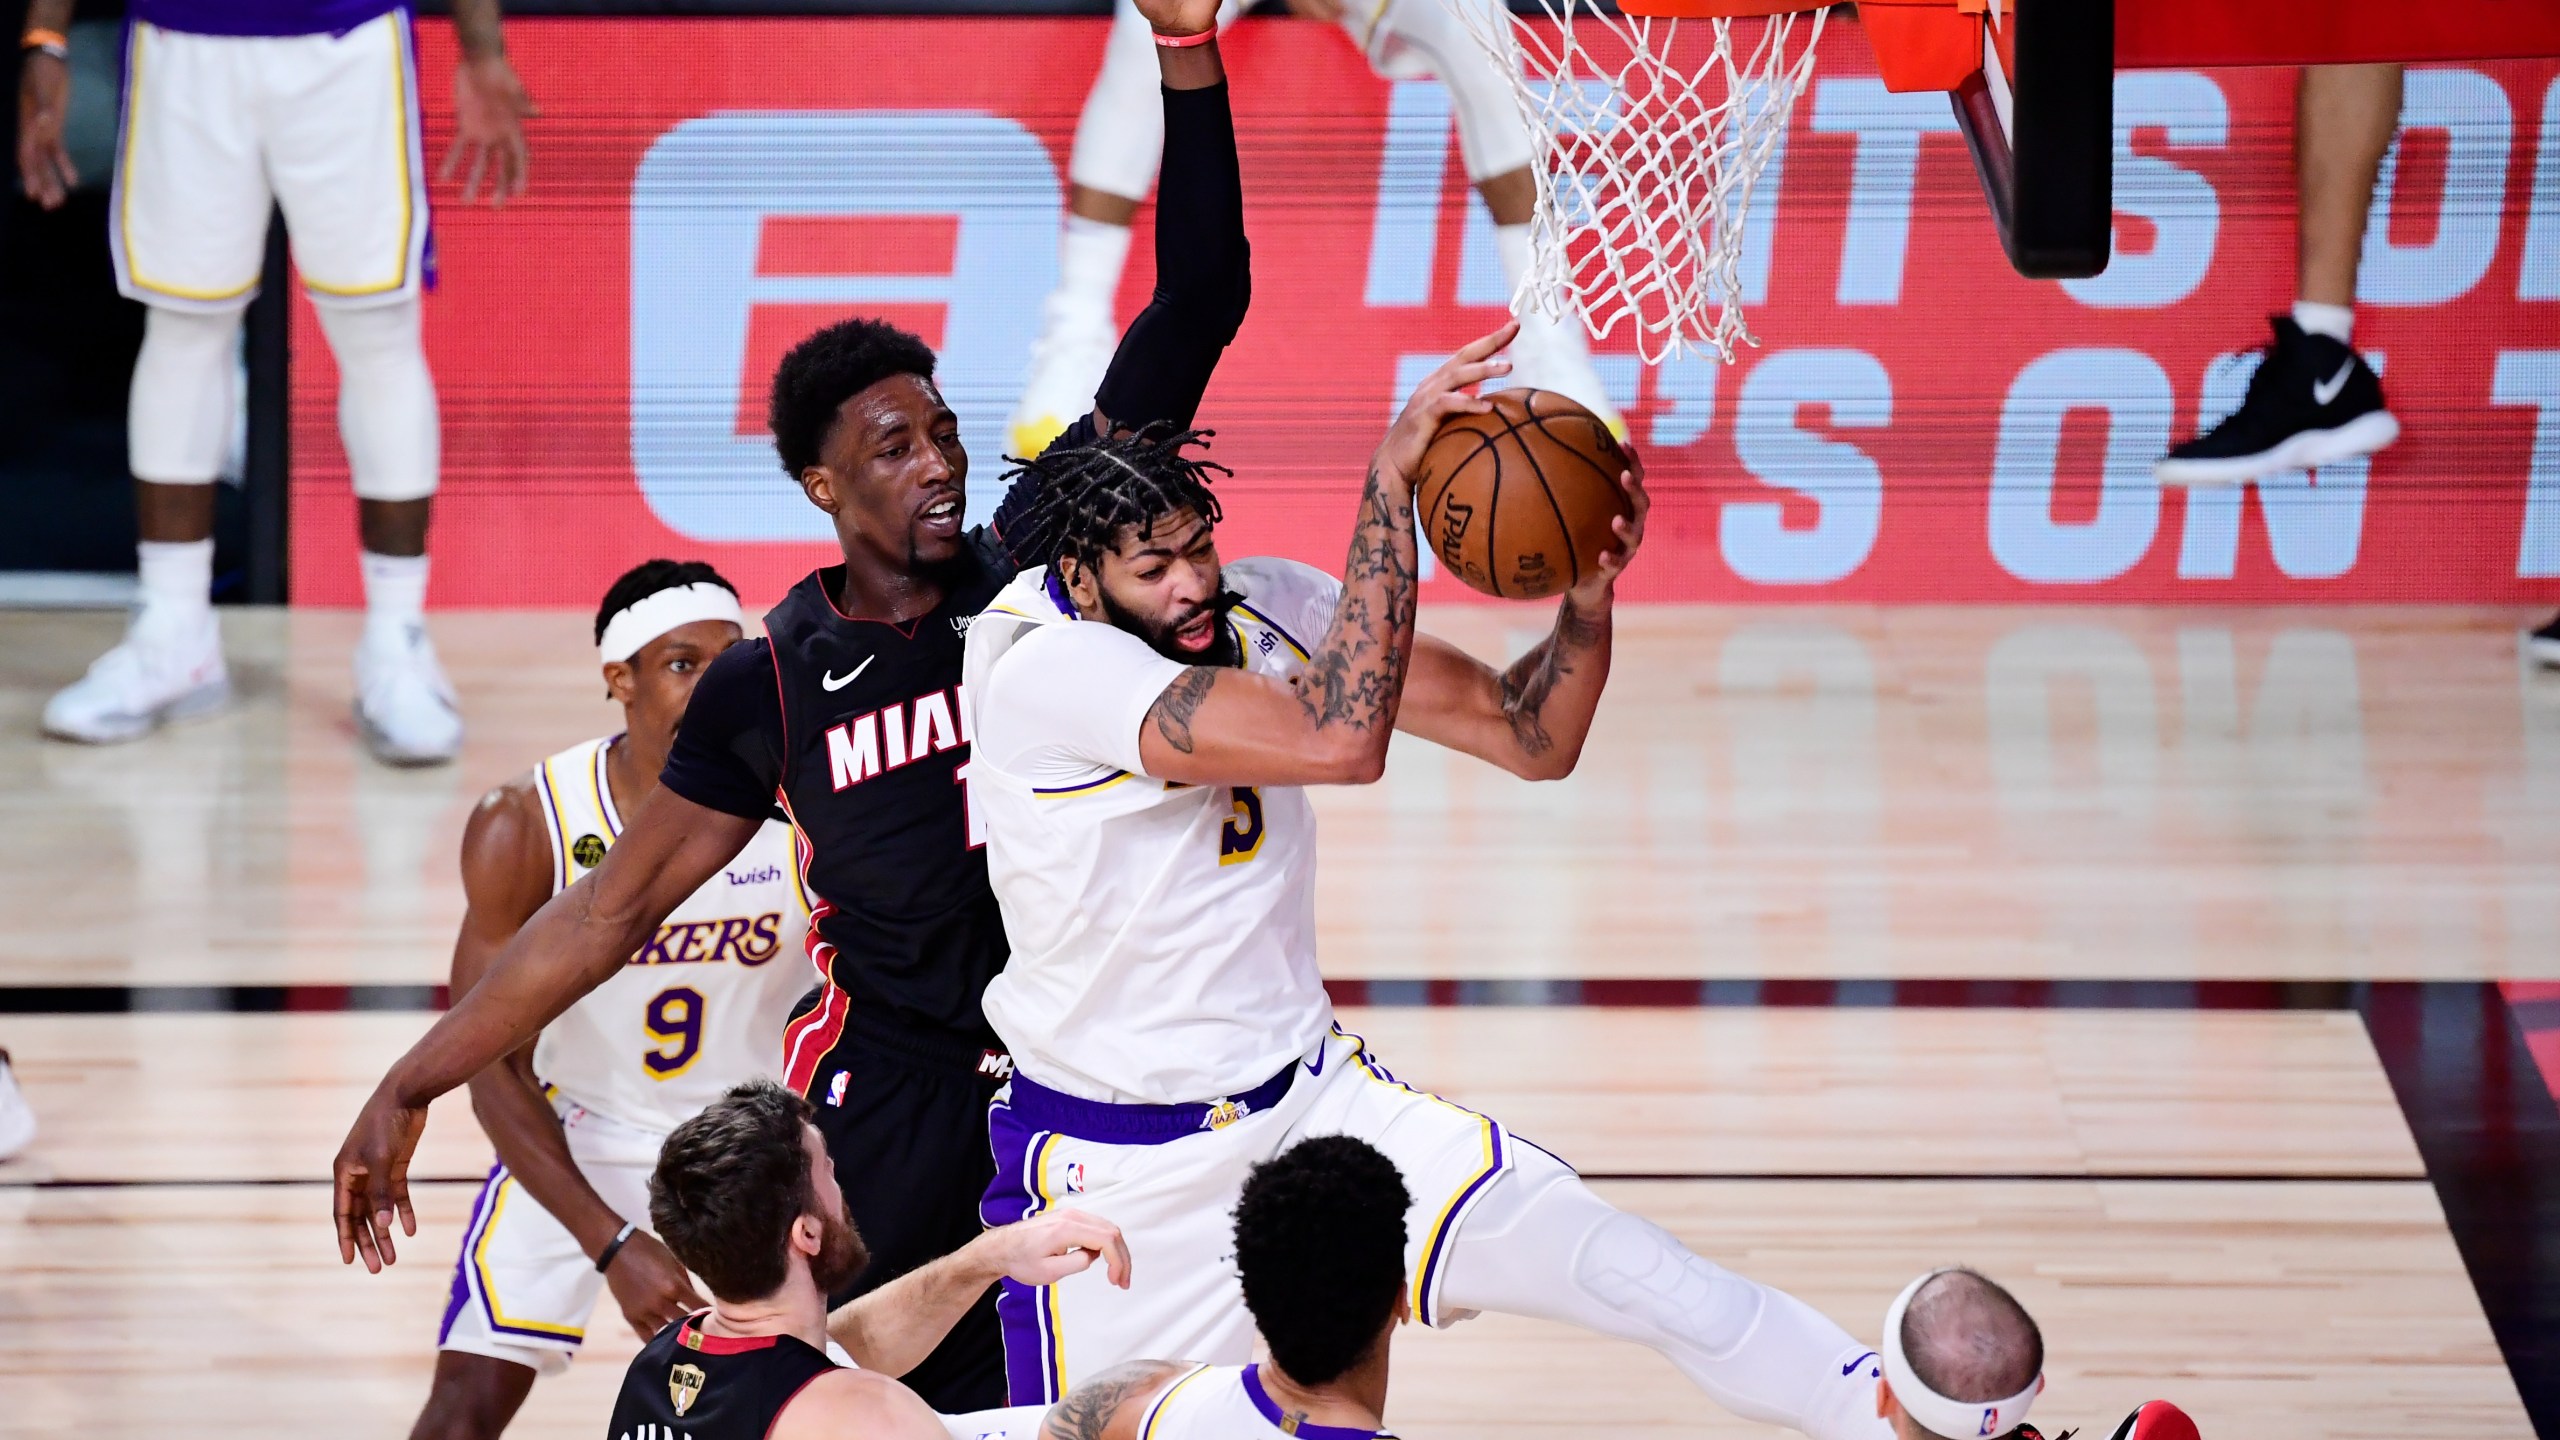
(1074, 500)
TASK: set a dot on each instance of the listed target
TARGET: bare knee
(473, 1398)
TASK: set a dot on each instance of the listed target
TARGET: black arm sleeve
(728, 752)
(1204, 270)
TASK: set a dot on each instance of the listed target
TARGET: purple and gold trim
(1304, 1430)
(1035, 1363)
(1085, 787)
(1425, 1278)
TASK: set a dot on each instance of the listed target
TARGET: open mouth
(1198, 632)
(942, 517)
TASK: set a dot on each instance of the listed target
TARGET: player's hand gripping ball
(1518, 502)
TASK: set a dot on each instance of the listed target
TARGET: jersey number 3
(674, 1021)
(1240, 839)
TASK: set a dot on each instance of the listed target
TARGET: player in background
(1115, 152)
(577, 1117)
(849, 710)
(1146, 722)
(2314, 401)
(230, 108)
(746, 1197)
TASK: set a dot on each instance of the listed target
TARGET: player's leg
(518, 1309)
(1119, 139)
(343, 150)
(189, 238)
(1499, 1225)
(472, 1397)
(1540, 1243)
(1418, 37)
(2314, 400)
(1173, 1195)
(909, 1144)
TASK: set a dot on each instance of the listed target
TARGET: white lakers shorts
(218, 129)
(1173, 1193)
(522, 1289)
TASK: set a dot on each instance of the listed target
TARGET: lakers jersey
(702, 1006)
(1228, 1402)
(1164, 942)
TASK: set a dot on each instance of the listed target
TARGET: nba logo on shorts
(1075, 1177)
(835, 1089)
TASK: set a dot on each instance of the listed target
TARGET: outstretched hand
(1046, 1249)
(1443, 393)
(371, 1179)
(1627, 530)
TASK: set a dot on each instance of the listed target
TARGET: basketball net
(1652, 132)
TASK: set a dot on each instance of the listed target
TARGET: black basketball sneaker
(2544, 644)
(2313, 402)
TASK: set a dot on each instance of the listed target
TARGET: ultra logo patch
(588, 851)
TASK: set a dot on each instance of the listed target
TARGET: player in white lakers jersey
(1144, 723)
(232, 108)
(577, 1117)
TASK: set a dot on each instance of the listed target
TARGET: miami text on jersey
(889, 737)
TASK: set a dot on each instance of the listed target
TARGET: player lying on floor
(745, 1196)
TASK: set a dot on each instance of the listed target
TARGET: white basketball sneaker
(405, 707)
(1551, 355)
(167, 667)
(1067, 365)
(17, 1119)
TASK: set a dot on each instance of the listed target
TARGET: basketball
(1517, 501)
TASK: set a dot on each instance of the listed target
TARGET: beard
(841, 1256)
(1223, 652)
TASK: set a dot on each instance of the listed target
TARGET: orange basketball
(1517, 502)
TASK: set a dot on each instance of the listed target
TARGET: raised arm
(1204, 268)
(1531, 718)
(574, 943)
(893, 1328)
(1216, 726)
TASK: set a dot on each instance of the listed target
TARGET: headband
(1934, 1412)
(658, 612)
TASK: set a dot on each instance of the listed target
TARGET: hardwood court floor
(2207, 1266)
(2223, 1207)
(1835, 792)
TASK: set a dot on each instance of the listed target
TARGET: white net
(1653, 132)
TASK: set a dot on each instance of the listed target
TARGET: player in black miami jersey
(745, 1196)
(849, 714)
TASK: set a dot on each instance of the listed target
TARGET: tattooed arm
(1110, 1405)
(1530, 719)
(1231, 727)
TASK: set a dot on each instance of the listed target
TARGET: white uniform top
(1227, 1402)
(702, 1006)
(1164, 935)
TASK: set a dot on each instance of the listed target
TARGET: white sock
(1091, 254)
(2338, 322)
(395, 597)
(177, 580)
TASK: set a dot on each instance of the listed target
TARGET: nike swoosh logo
(832, 682)
(1854, 1364)
(2324, 391)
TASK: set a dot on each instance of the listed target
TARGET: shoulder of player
(508, 834)
(846, 1401)
(1112, 1404)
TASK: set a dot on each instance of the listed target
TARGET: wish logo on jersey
(746, 939)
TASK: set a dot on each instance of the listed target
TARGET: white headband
(1934, 1412)
(653, 615)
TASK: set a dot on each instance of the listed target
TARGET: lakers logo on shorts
(1222, 1114)
(588, 851)
(684, 1386)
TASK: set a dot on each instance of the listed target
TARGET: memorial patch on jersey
(749, 940)
(684, 1386)
(588, 851)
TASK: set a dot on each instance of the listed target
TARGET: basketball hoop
(1652, 127)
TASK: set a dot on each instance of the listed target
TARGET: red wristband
(1185, 42)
